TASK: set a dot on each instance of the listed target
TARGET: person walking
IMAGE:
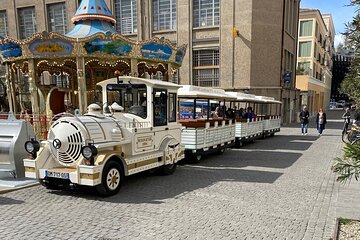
(304, 119)
(346, 116)
(320, 121)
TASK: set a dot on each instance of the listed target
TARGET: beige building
(314, 62)
(241, 45)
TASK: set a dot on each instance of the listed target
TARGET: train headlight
(32, 146)
(89, 151)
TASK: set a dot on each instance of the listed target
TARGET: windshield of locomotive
(132, 97)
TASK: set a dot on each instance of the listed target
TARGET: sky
(341, 13)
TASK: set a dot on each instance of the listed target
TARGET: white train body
(135, 130)
(127, 141)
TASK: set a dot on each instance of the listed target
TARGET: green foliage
(344, 221)
(348, 166)
(351, 84)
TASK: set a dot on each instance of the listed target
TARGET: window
(172, 107)
(3, 24)
(290, 16)
(126, 17)
(164, 16)
(314, 69)
(289, 60)
(305, 49)
(132, 97)
(57, 18)
(160, 107)
(206, 13)
(27, 22)
(304, 68)
(306, 28)
(206, 68)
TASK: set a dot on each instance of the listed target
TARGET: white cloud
(339, 38)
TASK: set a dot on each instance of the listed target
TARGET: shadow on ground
(278, 152)
(9, 201)
(213, 169)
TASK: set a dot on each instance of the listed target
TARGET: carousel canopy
(92, 16)
(94, 37)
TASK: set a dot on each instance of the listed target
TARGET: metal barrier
(13, 135)
(39, 122)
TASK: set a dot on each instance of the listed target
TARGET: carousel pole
(9, 88)
(34, 98)
(170, 74)
(134, 68)
(13, 89)
(80, 64)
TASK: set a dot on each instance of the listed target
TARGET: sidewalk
(333, 200)
(11, 184)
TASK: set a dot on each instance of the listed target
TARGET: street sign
(287, 77)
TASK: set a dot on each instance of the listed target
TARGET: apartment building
(314, 61)
(241, 45)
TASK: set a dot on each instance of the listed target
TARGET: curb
(336, 230)
(18, 188)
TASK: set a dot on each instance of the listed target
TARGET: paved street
(276, 188)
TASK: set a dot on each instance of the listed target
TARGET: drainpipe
(282, 53)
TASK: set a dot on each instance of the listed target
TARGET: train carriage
(205, 132)
(265, 119)
(270, 114)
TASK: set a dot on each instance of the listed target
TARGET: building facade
(315, 58)
(238, 45)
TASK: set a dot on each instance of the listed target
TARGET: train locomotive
(135, 130)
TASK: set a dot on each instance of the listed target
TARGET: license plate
(57, 174)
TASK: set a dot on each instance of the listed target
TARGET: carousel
(50, 73)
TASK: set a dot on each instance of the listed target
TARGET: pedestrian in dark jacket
(304, 119)
(346, 116)
(321, 121)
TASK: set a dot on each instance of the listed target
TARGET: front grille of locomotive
(71, 138)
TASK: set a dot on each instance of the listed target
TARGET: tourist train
(145, 124)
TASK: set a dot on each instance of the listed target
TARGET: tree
(351, 84)
(349, 166)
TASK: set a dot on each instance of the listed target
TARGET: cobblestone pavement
(276, 188)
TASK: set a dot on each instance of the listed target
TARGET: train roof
(245, 97)
(268, 99)
(189, 91)
(150, 82)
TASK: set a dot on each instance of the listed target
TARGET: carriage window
(172, 107)
(128, 100)
(132, 97)
(160, 107)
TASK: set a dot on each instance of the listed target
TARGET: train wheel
(196, 158)
(168, 169)
(111, 179)
(221, 150)
(238, 143)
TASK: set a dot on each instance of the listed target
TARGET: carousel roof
(86, 28)
(92, 16)
(94, 36)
